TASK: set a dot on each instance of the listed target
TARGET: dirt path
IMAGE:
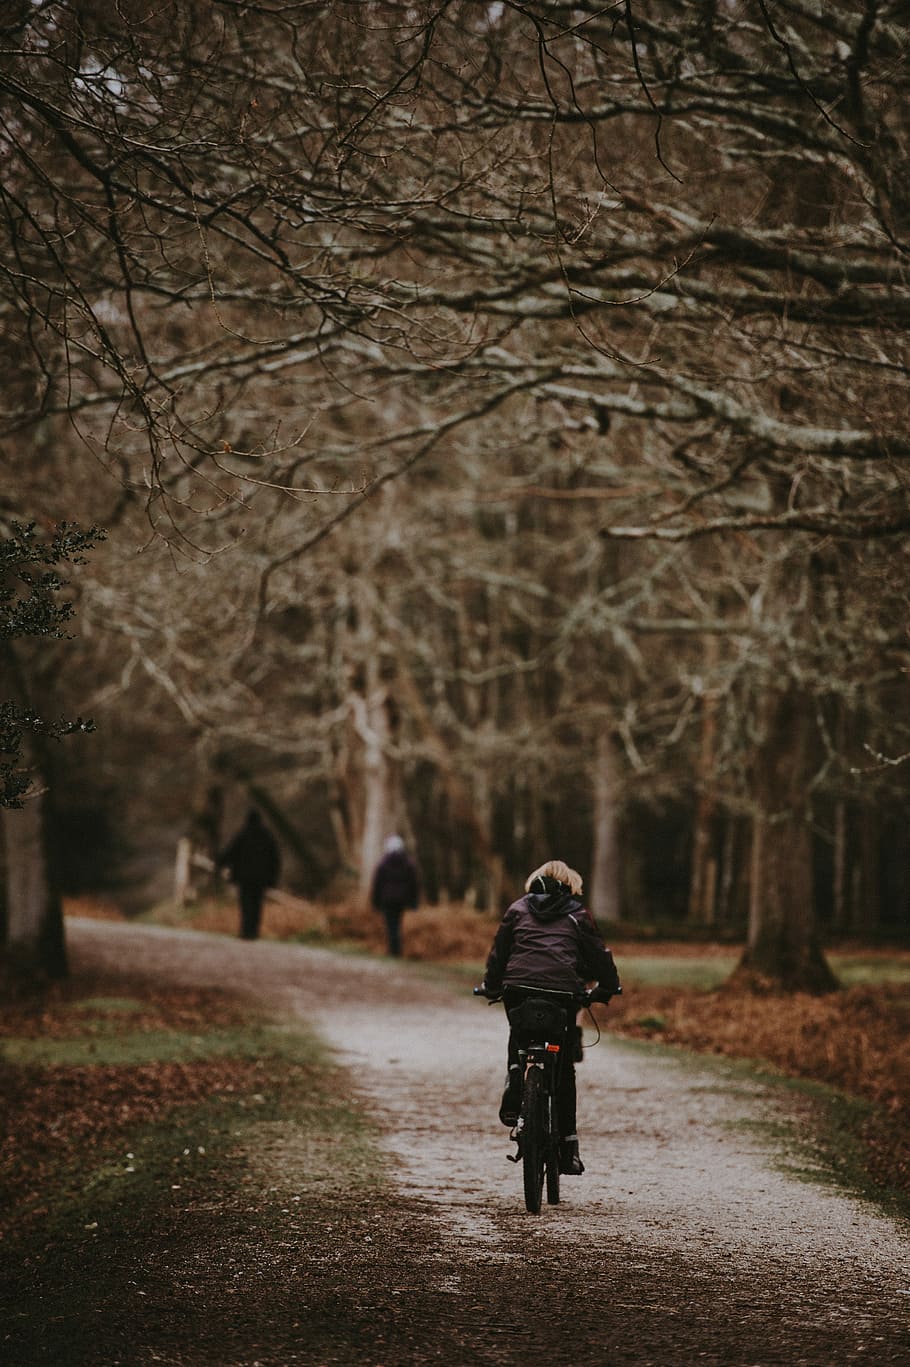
(685, 1240)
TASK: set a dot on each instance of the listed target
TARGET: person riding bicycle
(548, 941)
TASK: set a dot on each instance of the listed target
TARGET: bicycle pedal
(515, 1136)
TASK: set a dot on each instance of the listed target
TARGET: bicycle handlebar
(490, 996)
(584, 999)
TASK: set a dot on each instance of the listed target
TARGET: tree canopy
(491, 380)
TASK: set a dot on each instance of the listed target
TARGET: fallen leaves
(857, 1040)
(49, 1113)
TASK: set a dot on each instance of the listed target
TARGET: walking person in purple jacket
(547, 941)
(395, 889)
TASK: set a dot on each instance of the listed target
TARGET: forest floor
(191, 1178)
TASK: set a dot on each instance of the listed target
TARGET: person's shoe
(570, 1165)
(510, 1105)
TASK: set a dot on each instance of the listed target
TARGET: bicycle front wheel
(533, 1140)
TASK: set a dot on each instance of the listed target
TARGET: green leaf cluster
(30, 584)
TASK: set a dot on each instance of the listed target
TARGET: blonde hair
(555, 868)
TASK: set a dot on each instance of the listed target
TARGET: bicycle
(541, 1023)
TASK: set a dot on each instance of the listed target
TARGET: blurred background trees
(498, 415)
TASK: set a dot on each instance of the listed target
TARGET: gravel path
(687, 1240)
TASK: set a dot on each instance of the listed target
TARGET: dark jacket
(252, 858)
(395, 882)
(549, 940)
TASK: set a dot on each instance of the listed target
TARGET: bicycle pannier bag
(537, 1016)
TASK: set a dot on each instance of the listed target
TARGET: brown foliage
(857, 1040)
(434, 933)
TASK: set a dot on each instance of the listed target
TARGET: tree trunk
(183, 872)
(206, 826)
(728, 852)
(703, 880)
(604, 890)
(840, 906)
(783, 947)
(372, 724)
(867, 910)
(35, 939)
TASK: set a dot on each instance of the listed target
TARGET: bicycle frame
(536, 1132)
(543, 1017)
(544, 1024)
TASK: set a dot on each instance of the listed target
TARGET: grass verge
(830, 1137)
(154, 1148)
(849, 1050)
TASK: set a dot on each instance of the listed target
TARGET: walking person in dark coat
(253, 863)
(396, 888)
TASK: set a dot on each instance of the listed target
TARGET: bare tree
(267, 263)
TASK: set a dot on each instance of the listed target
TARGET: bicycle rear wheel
(533, 1140)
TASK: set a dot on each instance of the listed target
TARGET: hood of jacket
(550, 905)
